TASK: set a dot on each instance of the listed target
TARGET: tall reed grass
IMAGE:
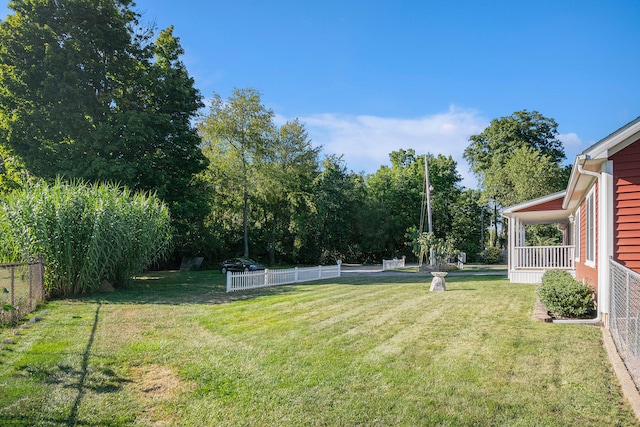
(86, 233)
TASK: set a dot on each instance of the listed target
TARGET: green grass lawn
(175, 350)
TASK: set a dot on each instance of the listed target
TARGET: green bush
(564, 295)
(492, 256)
(472, 250)
(85, 233)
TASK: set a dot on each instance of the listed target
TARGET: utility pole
(429, 220)
(428, 185)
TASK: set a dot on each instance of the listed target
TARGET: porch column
(510, 245)
(522, 234)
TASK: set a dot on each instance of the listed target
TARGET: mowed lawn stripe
(176, 350)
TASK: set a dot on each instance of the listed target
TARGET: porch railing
(544, 257)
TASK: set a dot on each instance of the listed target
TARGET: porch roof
(543, 210)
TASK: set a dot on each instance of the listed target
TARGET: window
(590, 228)
(576, 235)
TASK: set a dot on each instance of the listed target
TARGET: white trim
(615, 142)
(590, 255)
(535, 202)
(533, 277)
(605, 233)
(576, 234)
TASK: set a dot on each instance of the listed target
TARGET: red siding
(626, 215)
(553, 205)
(584, 272)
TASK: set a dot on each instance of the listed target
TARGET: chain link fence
(21, 289)
(624, 317)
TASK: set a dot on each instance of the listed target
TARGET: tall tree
(491, 150)
(331, 231)
(10, 171)
(495, 144)
(470, 218)
(398, 193)
(240, 131)
(172, 156)
(87, 94)
(285, 183)
(445, 180)
(528, 174)
(63, 64)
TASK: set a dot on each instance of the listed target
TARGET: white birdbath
(438, 283)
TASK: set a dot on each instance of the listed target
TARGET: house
(599, 214)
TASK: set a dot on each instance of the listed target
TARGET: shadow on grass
(180, 287)
(73, 416)
(103, 380)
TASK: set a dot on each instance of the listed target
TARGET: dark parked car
(240, 264)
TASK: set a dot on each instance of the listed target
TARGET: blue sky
(370, 77)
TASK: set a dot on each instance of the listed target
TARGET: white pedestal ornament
(437, 283)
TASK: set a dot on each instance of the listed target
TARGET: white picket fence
(265, 278)
(392, 264)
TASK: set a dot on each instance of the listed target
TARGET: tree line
(90, 93)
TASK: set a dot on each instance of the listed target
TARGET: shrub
(85, 233)
(564, 295)
(472, 250)
(492, 256)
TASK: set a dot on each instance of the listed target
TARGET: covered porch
(527, 264)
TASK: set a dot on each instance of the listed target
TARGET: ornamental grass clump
(86, 233)
(564, 295)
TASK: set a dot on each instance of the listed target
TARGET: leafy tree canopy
(517, 158)
(237, 134)
(527, 174)
(492, 148)
(87, 94)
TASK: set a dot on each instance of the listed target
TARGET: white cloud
(366, 141)
(573, 145)
(570, 140)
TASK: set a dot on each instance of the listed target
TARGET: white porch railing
(392, 264)
(261, 279)
(544, 257)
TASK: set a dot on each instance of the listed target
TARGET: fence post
(31, 271)
(228, 281)
(13, 290)
(319, 272)
(628, 279)
(266, 277)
